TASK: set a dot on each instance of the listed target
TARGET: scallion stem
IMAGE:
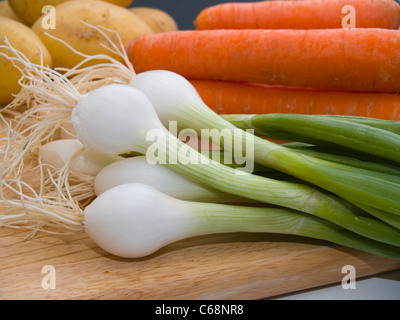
(388, 125)
(175, 99)
(290, 195)
(393, 172)
(336, 178)
(387, 217)
(353, 135)
(224, 218)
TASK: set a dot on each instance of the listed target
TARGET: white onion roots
(42, 204)
(32, 196)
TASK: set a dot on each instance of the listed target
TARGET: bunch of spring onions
(124, 128)
(188, 109)
(137, 210)
(131, 217)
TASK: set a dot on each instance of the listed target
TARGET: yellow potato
(31, 10)
(6, 11)
(83, 38)
(25, 40)
(158, 20)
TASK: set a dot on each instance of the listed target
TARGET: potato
(25, 40)
(6, 11)
(84, 38)
(158, 20)
(31, 10)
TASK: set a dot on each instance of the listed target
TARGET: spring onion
(71, 152)
(388, 125)
(387, 217)
(175, 99)
(383, 171)
(136, 220)
(300, 127)
(138, 170)
(126, 126)
(349, 158)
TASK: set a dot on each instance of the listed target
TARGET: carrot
(344, 59)
(307, 14)
(251, 98)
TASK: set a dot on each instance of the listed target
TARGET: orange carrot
(307, 14)
(344, 59)
(252, 98)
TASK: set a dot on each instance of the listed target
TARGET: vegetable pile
(286, 56)
(98, 134)
(48, 24)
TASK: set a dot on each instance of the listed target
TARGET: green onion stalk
(176, 100)
(299, 127)
(352, 159)
(388, 125)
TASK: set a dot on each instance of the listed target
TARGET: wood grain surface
(226, 266)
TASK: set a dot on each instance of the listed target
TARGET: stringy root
(42, 204)
(32, 196)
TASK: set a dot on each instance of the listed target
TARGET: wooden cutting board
(227, 266)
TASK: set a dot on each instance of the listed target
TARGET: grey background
(184, 11)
